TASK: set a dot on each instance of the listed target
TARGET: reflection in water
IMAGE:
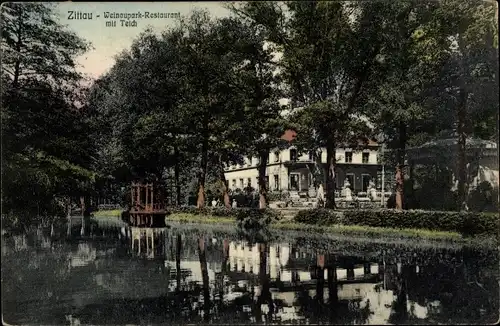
(204, 276)
(158, 276)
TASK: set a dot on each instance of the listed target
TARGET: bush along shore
(385, 222)
(247, 218)
(464, 223)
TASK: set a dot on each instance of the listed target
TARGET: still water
(198, 274)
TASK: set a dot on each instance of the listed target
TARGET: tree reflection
(333, 295)
(399, 313)
(205, 280)
(121, 288)
(265, 293)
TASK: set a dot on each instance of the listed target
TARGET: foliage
(467, 223)
(179, 107)
(251, 223)
(47, 147)
(239, 214)
(280, 195)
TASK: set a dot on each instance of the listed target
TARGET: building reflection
(282, 282)
(163, 275)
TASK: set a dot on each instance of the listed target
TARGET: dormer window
(293, 154)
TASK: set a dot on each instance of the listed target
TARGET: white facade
(282, 165)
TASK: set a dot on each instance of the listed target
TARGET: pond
(200, 274)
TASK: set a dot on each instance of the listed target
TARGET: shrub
(467, 223)
(245, 217)
(319, 216)
(278, 195)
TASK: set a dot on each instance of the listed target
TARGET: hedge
(245, 217)
(466, 223)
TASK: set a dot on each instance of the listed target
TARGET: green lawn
(341, 229)
(110, 213)
(353, 230)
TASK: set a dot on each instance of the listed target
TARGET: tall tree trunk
(204, 275)
(17, 65)
(160, 188)
(87, 205)
(178, 249)
(263, 157)
(497, 83)
(222, 176)
(494, 58)
(315, 170)
(400, 162)
(318, 169)
(462, 161)
(202, 173)
(176, 176)
(330, 178)
(68, 215)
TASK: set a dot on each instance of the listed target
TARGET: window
(276, 182)
(348, 157)
(242, 185)
(276, 156)
(249, 182)
(350, 177)
(294, 181)
(311, 156)
(365, 179)
(293, 154)
(366, 157)
(234, 184)
(257, 182)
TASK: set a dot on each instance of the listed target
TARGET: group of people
(217, 203)
(346, 193)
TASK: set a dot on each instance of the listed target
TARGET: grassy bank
(338, 229)
(108, 213)
(191, 218)
(325, 222)
(465, 223)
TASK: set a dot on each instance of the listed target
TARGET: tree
(470, 77)
(398, 100)
(329, 51)
(213, 56)
(264, 123)
(143, 97)
(47, 149)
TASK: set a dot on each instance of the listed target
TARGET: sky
(110, 41)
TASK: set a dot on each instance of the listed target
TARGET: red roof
(289, 135)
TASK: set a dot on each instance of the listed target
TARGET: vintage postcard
(273, 162)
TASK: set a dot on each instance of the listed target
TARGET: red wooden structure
(144, 210)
